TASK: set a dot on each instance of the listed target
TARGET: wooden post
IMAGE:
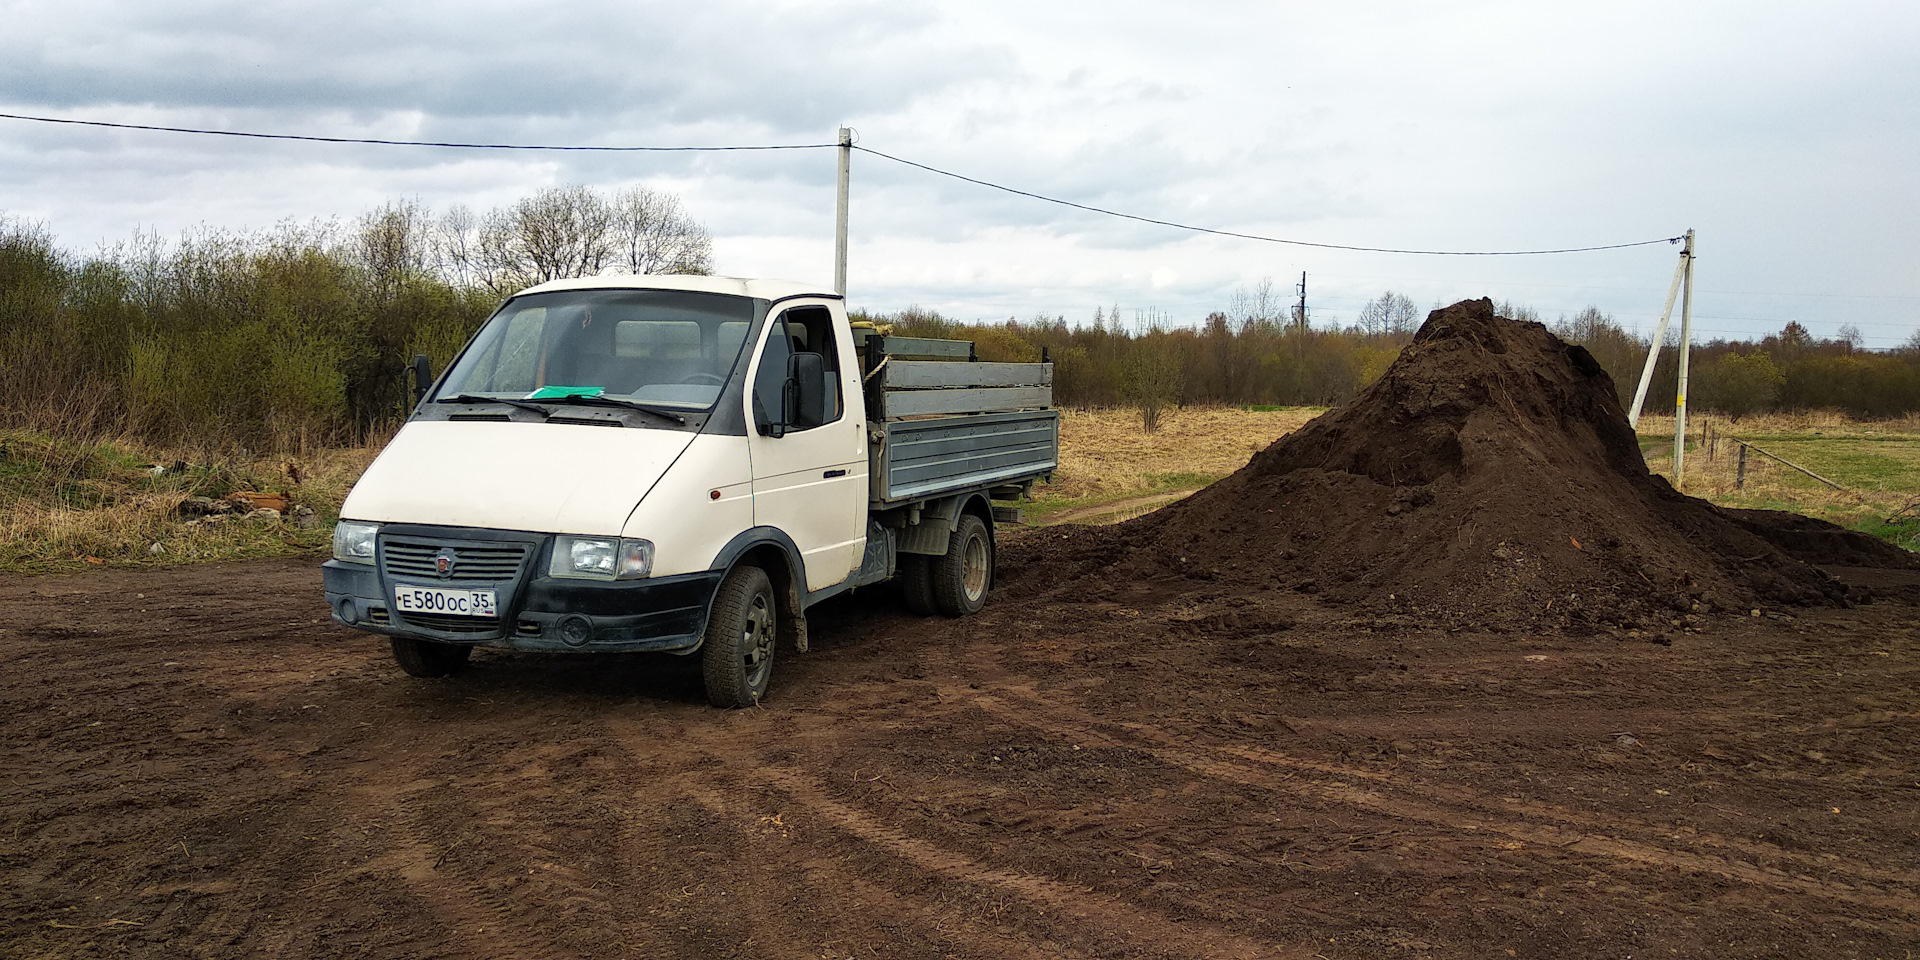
(1740, 476)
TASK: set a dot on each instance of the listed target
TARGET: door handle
(830, 474)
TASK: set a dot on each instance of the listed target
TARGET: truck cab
(682, 465)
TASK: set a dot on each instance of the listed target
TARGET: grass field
(1876, 464)
(1105, 458)
(68, 505)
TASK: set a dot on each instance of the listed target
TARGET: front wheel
(962, 575)
(424, 658)
(736, 658)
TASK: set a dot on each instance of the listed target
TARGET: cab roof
(737, 286)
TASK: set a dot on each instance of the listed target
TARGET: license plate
(454, 603)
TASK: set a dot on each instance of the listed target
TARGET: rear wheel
(960, 577)
(736, 657)
(916, 584)
(424, 658)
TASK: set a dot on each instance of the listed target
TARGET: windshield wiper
(477, 398)
(604, 401)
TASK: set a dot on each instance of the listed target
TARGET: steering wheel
(712, 378)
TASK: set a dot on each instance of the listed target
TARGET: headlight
(353, 541)
(601, 558)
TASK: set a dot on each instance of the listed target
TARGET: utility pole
(1686, 348)
(840, 219)
(1660, 332)
(1300, 311)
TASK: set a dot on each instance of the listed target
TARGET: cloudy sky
(1787, 134)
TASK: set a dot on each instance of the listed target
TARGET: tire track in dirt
(1115, 511)
(1063, 905)
(1482, 805)
(1063, 901)
(503, 861)
(719, 759)
(1050, 716)
(986, 664)
(481, 921)
(977, 939)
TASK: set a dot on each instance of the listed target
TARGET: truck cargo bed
(941, 421)
(926, 457)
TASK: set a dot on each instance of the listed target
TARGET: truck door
(810, 482)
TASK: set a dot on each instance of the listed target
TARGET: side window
(812, 332)
(771, 379)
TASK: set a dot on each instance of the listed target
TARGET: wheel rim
(756, 639)
(973, 569)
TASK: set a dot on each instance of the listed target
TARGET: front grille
(471, 560)
(446, 624)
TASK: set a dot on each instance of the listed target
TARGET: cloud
(1786, 133)
(578, 70)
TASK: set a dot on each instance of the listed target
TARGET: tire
(736, 658)
(916, 584)
(424, 658)
(962, 576)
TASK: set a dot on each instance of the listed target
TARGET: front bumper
(536, 612)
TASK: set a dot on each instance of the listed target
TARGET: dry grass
(1105, 456)
(67, 504)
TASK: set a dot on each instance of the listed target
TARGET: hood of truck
(537, 477)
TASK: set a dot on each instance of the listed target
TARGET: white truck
(683, 465)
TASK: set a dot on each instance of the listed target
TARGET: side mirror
(806, 391)
(422, 377)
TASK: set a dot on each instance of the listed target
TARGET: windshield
(660, 347)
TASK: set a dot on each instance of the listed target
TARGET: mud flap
(793, 615)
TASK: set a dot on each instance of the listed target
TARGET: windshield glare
(658, 347)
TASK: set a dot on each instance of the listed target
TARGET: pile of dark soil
(1488, 477)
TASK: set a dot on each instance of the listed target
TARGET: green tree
(1737, 385)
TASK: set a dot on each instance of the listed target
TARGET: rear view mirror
(806, 391)
(422, 377)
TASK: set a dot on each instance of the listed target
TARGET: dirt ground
(196, 763)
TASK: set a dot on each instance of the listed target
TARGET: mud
(195, 763)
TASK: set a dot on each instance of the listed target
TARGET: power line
(819, 146)
(1252, 236)
(414, 143)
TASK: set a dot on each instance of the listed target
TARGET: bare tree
(653, 234)
(1851, 336)
(1586, 326)
(1389, 314)
(1152, 373)
(456, 252)
(1255, 308)
(395, 245)
(572, 232)
(1516, 311)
